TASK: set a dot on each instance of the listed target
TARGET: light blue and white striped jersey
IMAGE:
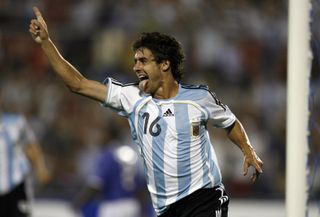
(15, 134)
(172, 138)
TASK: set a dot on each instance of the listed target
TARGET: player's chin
(148, 91)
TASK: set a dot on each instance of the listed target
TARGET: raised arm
(238, 136)
(73, 79)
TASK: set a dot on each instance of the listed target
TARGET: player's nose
(137, 67)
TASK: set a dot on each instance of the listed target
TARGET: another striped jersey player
(15, 135)
(172, 137)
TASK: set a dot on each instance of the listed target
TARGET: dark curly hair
(163, 47)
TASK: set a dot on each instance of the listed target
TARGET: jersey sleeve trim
(119, 97)
(112, 81)
(109, 89)
(229, 122)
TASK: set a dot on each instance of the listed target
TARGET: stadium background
(237, 47)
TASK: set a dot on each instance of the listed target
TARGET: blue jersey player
(168, 123)
(114, 185)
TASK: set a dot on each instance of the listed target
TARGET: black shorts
(207, 202)
(15, 203)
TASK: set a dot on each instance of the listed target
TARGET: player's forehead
(143, 53)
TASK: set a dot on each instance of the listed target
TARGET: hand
(252, 160)
(43, 176)
(38, 27)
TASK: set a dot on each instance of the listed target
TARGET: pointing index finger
(37, 13)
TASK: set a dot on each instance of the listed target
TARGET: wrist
(45, 43)
(248, 150)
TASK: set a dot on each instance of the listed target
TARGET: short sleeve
(219, 114)
(121, 98)
(27, 135)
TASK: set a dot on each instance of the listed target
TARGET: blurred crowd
(237, 47)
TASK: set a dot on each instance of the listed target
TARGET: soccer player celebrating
(168, 123)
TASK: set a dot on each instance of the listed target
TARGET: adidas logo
(168, 113)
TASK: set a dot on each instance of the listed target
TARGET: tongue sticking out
(143, 85)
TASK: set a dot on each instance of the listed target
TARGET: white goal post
(299, 68)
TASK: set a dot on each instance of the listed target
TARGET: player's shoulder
(199, 87)
(13, 119)
(131, 88)
(124, 84)
(129, 91)
(198, 92)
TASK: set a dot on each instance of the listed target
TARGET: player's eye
(143, 60)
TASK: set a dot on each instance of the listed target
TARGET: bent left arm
(35, 155)
(238, 136)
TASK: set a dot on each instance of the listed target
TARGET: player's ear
(165, 65)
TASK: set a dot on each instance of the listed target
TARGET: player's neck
(168, 89)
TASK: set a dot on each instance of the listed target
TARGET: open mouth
(143, 77)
